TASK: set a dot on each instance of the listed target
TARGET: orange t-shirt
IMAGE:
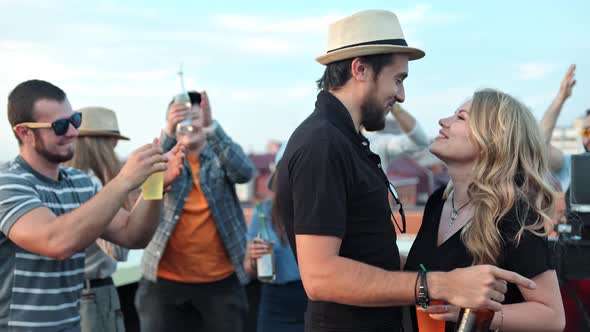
(194, 252)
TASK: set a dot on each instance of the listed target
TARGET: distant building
(568, 139)
(257, 188)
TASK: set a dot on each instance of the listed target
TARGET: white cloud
(536, 70)
(538, 102)
(264, 24)
(266, 45)
(23, 60)
(120, 8)
(301, 91)
(281, 35)
(419, 14)
(423, 13)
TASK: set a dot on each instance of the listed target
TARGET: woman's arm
(541, 311)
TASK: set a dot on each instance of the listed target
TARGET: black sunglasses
(60, 127)
(395, 196)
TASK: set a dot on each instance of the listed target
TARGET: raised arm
(565, 91)
(238, 167)
(135, 228)
(556, 157)
(40, 231)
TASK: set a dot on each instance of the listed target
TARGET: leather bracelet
(423, 299)
(416, 288)
(426, 287)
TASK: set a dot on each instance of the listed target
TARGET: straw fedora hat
(99, 121)
(366, 33)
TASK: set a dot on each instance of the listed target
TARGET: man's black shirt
(329, 183)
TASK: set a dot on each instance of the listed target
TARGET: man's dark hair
(23, 97)
(194, 96)
(338, 73)
(588, 112)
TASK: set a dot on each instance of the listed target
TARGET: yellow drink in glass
(153, 187)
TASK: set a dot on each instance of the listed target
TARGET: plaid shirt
(223, 164)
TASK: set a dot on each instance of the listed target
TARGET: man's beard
(49, 156)
(372, 114)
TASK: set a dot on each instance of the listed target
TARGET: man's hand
(141, 163)
(206, 110)
(567, 84)
(175, 164)
(478, 287)
(176, 113)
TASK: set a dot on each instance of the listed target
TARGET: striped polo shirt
(39, 293)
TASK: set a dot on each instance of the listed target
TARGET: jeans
(100, 310)
(282, 307)
(166, 305)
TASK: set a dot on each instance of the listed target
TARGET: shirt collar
(332, 109)
(24, 164)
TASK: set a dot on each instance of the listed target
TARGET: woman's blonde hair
(97, 154)
(510, 172)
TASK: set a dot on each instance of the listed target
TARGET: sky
(256, 59)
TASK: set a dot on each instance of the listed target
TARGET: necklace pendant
(454, 214)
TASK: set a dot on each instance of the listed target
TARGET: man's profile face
(385, 90)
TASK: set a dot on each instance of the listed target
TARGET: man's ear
(360, 71)
(25, 134)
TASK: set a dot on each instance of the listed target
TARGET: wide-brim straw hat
(366, 33)
(99, 121)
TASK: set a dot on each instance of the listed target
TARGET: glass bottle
(265, 267)
(474, 320)
(185, 126)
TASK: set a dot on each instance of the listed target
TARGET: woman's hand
(254, 250)
(257, 248)
(446, 312)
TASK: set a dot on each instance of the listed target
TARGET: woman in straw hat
(496, 210)
(100, 309)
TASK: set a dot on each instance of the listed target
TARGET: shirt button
(176, 217)
(378, 165)
(365, 143)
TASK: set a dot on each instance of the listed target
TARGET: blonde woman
(496, 209)
(100, 309)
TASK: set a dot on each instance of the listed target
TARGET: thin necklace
(455, 212)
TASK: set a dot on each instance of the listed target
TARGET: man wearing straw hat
(98, 135)
(332, 194)
(50, 214)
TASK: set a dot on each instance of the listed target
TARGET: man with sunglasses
(561, 167)
(50, 214)
(332, 193)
